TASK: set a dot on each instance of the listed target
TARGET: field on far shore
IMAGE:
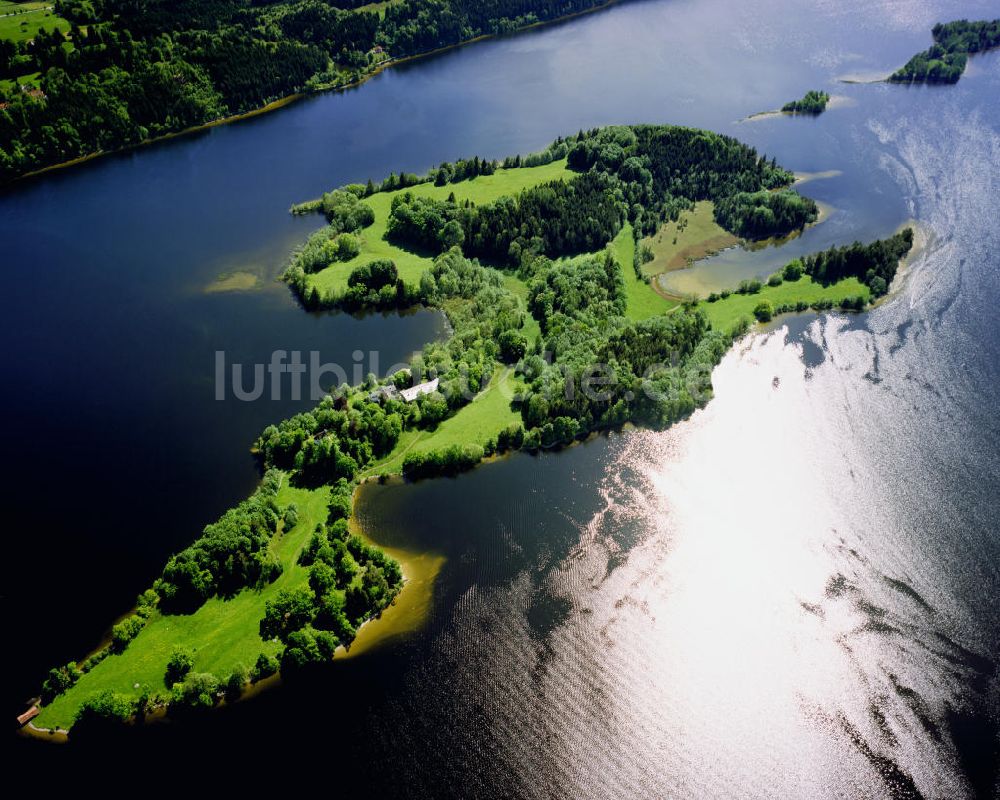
(19, 22)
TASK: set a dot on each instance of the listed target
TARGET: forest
(130, 70)
(945, 60)
(554, 219)
(758, 215)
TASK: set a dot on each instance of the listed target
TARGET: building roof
(411, 394)
(386, 392)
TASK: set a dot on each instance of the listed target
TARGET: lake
(793, 593)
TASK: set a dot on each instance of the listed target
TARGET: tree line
(554, 218)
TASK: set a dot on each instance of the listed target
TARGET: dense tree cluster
(873, 264)
(662, 169)
(105, 714)
(349, 582)
(332, 442)
(448, 461)
(945, 60)
(376, 283)
(561, 291)
(127, 71)
(602, 369)
(555, 218)
(230, 555)
(758, 215)
(813, 102)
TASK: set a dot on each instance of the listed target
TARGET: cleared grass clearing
(642, 301)
(222, 633)
(378, 8)
(695, 235)
(31, 80)
(484, 189)
(531, 329)
(723, 314)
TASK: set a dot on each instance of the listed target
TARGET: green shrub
(264, 667)
(199, 690)
(125, 631)
(178, 666)
(763, 311)
(792, 270)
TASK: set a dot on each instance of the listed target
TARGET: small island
(555, 333)
(814, 102)
(945, 60)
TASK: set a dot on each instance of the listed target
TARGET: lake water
(793, 593)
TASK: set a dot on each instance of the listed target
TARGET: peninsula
(556, 332)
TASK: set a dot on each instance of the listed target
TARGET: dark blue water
(727, 609)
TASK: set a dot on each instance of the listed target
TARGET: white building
(411, 394)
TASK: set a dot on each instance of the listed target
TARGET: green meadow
(693, 236)
(725, 313)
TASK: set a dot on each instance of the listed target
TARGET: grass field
(725, 313)
(20, 22)
(531, 329)
(695, 235)
(483, 189)
(222, 633)
(642, 301)
(482, 419)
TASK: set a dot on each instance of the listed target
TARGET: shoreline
(923, 238)
(281, 102)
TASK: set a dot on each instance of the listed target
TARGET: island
(945, 60)
(84, 77)
(814, 102)
(555, 334)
